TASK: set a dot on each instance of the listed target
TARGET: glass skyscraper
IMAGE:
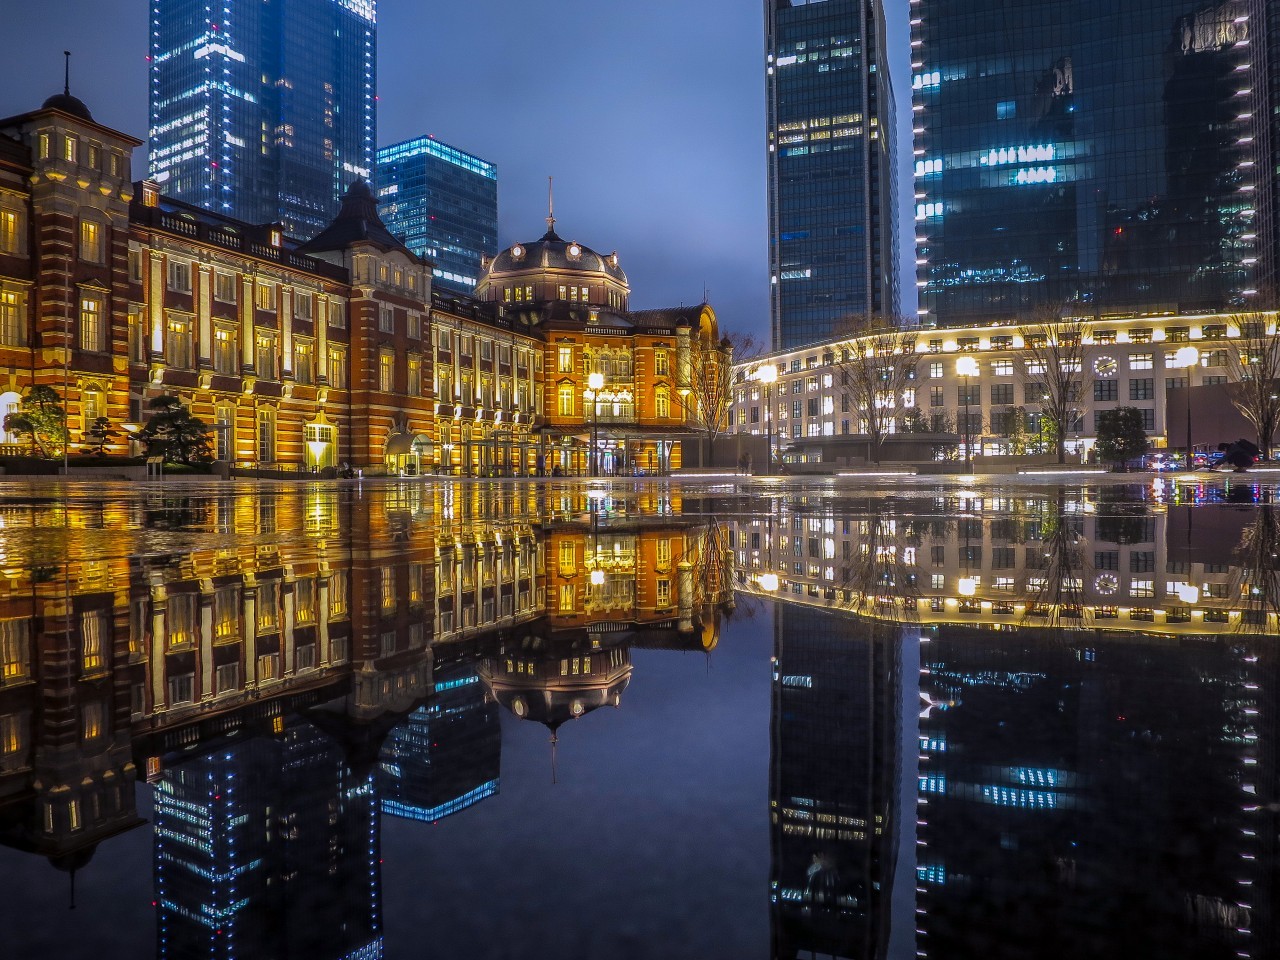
(1105, 160)
(832, 212)
(444, 202)
(263, 111)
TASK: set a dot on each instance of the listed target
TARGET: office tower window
(1036, 186)
(444, 202)
(291, 121)
(832, 219)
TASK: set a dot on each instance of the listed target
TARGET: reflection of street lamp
(768, 375)
(1186, 358)
(967, 367)
(595, 382)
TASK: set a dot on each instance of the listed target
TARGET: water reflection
(1002, 723)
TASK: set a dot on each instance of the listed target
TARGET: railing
(247, 243)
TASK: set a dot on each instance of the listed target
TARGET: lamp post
(595, 383)
(967, 367)
(768, 375)
(1185, 359)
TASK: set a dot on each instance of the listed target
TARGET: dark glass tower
(1105, 158)
(444, 202)
(832, 216)
(263, 111)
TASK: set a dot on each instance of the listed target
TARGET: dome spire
(66, 73)
(551, 206)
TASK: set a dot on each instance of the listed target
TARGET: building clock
(1105, 366)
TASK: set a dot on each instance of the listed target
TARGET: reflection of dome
(68, 104)
(552, 686)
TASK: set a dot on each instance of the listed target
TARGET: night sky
(650, 117)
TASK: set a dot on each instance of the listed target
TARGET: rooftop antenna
(554, 742)
(551, 206)
(66, 72)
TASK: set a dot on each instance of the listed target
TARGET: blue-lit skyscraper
(263, 111)
(832, 212)
(1108, 162)
(444, 202)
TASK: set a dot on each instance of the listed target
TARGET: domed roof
(68, 104)
(553, 252)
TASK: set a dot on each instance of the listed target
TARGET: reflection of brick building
(305, 356)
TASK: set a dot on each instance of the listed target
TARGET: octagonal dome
(552, 268)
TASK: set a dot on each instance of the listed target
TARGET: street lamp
(1185, 359)
(967, 367)
(768, 375)
(595, 383)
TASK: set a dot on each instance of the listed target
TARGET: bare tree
(1254, 361)
(1055, 350)
(874, 373)
(709, 400)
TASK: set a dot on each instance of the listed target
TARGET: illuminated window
(266, 296)
(224, 434)
(13, 318)
(224, 287)
(266, 434)
(93, 404)
(386, 371)
(664, 592)
(14, 650)
(12, 231)
(268, 606)
(661, 364)
(226, 613)
(339, 588)
(565, 396)
(565, 357)
(179, 276)
(181, 618)
(415, 376)
(91, 721)
(177, 347)
(304, 362)
(226, 351)
(90, 241)
(70, 148)
(12, 735)
(566, 598)
(92, 329)
(338, 368)
(267, 357)
(662, 403)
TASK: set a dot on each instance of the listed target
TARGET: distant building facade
(263, 111)
(811, 412)
(1060, 158)
(832, 207)
(443, 202)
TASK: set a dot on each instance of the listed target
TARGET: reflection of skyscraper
(263, 111)
(1069, 789)
(446, 755)
(832, 217)
(268, 847)
(834, 783)
(1063, 156)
